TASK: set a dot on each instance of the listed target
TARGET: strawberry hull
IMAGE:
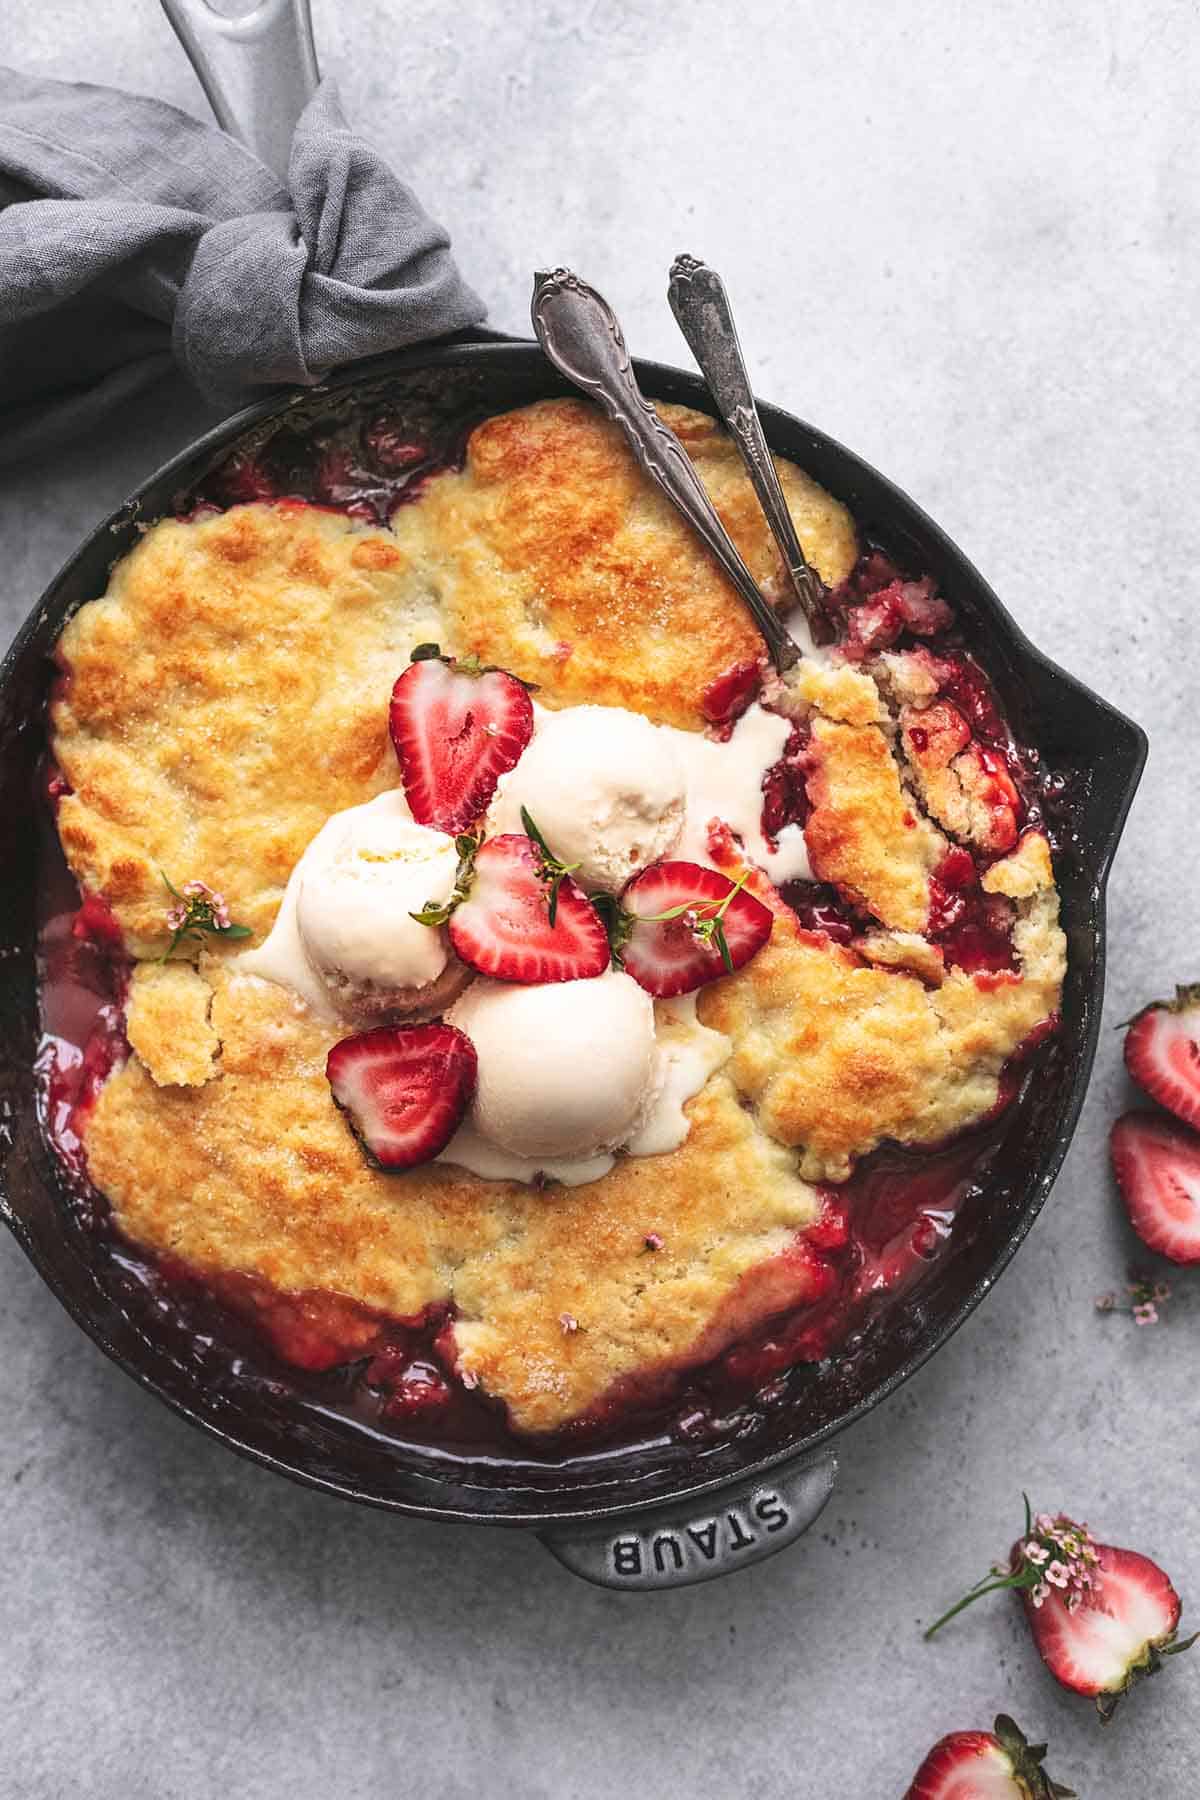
(986, 1765)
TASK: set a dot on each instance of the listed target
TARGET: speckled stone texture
(964, 240)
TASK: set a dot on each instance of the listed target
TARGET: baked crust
(554, 557)
(864, 831)
(836, 1054)
(257, 1172)
(229, 693)
(167, 1024)
(225, 696)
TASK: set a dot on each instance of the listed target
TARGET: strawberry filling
(972, 929)
(726, 699)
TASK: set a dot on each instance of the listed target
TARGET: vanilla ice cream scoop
(566, 1070)
(605, 787)
(361, 879)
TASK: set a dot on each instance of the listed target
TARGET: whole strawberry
(986, 1765)
(1101, 1617)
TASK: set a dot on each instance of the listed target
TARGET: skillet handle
(678, 1546)
(258, 70)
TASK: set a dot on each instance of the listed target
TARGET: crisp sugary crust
(225, 696)
(864, 831)
(1023, 871)
(257, 1172)
(230, 692)
(555, 558)
(836, 1055)
(167, 1024)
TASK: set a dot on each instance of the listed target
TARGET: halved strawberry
(456, 728)
(1157, 1165)
(682, 925)
(1100, 1616)
(1119, 1632)
(523, 919)
(404, 1089)
(986, 1765)
(1162, 1053)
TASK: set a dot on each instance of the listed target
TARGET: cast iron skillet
(661, 1514)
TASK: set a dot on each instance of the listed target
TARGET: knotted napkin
(132, 236)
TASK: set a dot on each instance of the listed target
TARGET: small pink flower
(176, 917)
(1106, 1302)
(568, 1322)
(1040, 1594)
(1057, 1574)
(1036, 1553)
(1146, 1313)
(652, 1241)
(469, 1379)
(1045, 1524)
(194, 888)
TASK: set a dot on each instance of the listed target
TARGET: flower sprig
(705, 919)
(1146, 1295)
(1054, 1553)
(196, 911)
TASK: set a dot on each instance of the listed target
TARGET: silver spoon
(702, 311)
(580, 335)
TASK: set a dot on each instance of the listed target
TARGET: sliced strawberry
(456, 729)
(1116, 1634)
(677, 916)
(503, 925)
(986, 1765)
(404, 1089)
(1157, 1165)
(1100, 1617)
(1162, 1053)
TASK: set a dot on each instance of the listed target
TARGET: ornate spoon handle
(701, 307)
(580, 335)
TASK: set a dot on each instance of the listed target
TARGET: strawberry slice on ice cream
(681, 925)
(456, 728)
(404, 1089)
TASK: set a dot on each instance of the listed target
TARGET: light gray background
(964, 240)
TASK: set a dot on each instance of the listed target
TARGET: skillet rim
(659, 381)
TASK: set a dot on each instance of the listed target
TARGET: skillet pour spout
(662, 1512)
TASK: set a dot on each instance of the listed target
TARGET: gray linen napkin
(131, 235)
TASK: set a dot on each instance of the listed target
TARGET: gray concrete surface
(963, 239)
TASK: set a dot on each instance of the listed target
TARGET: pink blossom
(1146, 1313)
(1040, 1594)
(1035, 1552)
(1058, 1574)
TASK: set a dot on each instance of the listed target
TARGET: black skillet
(663, 1513)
